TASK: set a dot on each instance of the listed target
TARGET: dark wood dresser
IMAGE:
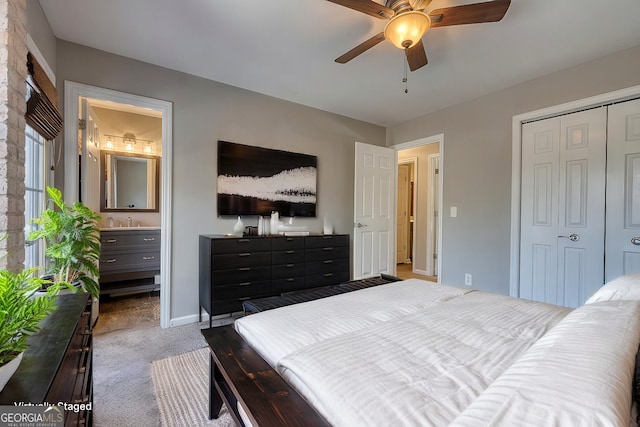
(57, 367)
(130, 260)
(235, 269)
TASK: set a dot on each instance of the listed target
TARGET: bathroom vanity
(130, 259)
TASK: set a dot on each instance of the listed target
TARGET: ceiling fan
(408, 23)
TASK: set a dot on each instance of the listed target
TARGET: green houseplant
(22, 308)
(72, 239)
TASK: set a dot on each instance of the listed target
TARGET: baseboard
(193, 318)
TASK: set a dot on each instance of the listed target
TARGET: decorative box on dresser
(235, 269)
(57, 367)
(130, 259)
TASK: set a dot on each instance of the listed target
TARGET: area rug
(181, 385)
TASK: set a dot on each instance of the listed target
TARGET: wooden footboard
(239, 375)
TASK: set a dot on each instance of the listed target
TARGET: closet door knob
(635, 241)
(573, 237)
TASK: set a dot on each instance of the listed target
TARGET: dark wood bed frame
(239, 375)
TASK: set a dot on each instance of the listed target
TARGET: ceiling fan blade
(419, 4)
(361, 48)
(416, 56)
(491, 11)
(367, 6)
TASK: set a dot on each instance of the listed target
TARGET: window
(34, 197)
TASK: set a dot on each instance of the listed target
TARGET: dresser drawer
(283, 271)
(327, 266)
(282, 285)
(234, 246)
(327, 279)
(288, 256)
(240, 260)
(328, 253)
(287, 243)
(240, 290)
(138, 261)
(241, 275)
(326, 241)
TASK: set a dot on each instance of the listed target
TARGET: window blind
(42, 113)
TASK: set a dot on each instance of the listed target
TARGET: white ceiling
(286, 48)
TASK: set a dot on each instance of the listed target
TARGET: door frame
(72, 92)
(414, 162)
(516, 164)
(417, 143)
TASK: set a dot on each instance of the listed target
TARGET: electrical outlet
(467, 279)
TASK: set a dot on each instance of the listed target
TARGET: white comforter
(407, 353)
(421, 369)
(276, 333)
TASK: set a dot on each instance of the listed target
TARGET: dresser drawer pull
(148, 258)
(244, 254)
(328, 274)
(244, 284)
(109, 261)
(290, 279)
(290, 252)
(243, 298)
(244, 269)
(149, 239)
(111, 240)
(327, 261)
(244, 240)
(327, 249)
(290, 265)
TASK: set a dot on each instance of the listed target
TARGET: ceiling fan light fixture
(406, 29)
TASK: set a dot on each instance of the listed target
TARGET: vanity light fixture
(129, 140)
(109, 144)
(148, 149)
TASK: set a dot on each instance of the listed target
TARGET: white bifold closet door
(623, 190)
(563, 207)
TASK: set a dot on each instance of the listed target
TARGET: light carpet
(181, 385)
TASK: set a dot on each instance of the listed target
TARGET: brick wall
(13, 71)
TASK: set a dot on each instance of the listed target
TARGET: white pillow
(621, 288)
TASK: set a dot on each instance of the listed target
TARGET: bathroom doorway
(115, 125)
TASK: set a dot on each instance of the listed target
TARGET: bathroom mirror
(129, 182)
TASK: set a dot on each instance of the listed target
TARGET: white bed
(414, 353)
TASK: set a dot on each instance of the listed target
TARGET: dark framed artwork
(258, 181)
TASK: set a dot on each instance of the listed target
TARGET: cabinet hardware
(149, 239)
(244, 284)
(111, 240)
(109, 261)
(148, 258)
(327, 249)
(244, 254)
(327, 261)
(244, 269)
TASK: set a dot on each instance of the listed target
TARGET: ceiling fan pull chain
(404, 80)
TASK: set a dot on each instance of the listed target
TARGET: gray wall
(477, 162)
(206, 111)
(40, 31)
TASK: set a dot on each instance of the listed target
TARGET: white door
(433, 205)
(402, 221)
(89, 138)
(374, 210)
(563, 207)
(623, 190)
